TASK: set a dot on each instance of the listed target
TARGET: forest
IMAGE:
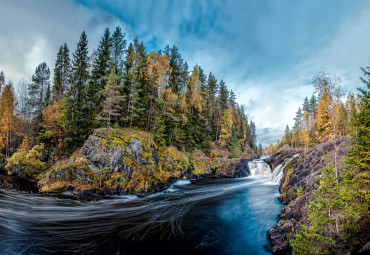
(342, 198)
(118, 86)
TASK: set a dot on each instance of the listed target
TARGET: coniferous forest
(120, 85)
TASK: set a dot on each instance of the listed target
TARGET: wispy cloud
(266, 51)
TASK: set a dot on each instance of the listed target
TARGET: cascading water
(277, 174)
(259, 167)
(265, 156)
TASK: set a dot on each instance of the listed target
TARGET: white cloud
(266, 52)
(35, 30)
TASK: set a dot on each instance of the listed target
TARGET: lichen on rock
(122, 161)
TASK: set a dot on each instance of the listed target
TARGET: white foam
(182, 182)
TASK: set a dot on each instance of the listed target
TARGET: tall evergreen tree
(317, 238)
(212, 93)
(78, 124)
(176, 66)
(99, 73)
(118, 44)
(356, 175)
(38, 87)
(62, 72)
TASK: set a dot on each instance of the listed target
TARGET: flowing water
(279, 170)
(208, 216)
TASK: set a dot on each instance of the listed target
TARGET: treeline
(322, 117)
(121, 85)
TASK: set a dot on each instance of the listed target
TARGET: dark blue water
(209, 216)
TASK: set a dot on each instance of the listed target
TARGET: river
(208, 216)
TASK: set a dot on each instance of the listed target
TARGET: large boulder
(121, 161)
(117, 161)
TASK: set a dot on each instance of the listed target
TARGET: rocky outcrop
(284, 152)
(297, 186)
(123, 162)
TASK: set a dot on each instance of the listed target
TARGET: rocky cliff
(284, 152)
(122, 162)
(297, 186)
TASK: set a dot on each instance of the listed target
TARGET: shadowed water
(209, 216)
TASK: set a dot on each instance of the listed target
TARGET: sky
(266, 51)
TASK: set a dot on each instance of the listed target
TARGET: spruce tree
(61, 73)
(78, 125)
(212, 94)
(318, 237)
(37, 89)
(99, 73)
(176, 65)
(118, 46)
(47, 96)
(356, 175)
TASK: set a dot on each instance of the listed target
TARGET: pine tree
(118, 44)
(37, 90)
(306, 105)
(61, 72)
(99, 73)
(176, 66)
(47, 96)
(77, 123)
(318, 237)
(356, 175)
(222, 105)
(212, 94)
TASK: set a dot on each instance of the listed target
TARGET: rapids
(207, 216)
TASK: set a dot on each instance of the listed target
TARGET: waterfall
(259, 167)
(277, 174)
(279, 170)
(265, 156)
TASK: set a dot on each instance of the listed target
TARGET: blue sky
(266, 51)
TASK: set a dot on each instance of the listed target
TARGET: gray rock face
(306, 172)
(284, 152)
(99, 157)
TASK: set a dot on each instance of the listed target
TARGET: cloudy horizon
(266, 51)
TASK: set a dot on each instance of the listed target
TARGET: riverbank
(115, 161)
(297, 188)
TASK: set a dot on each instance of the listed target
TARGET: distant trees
(320, 118)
